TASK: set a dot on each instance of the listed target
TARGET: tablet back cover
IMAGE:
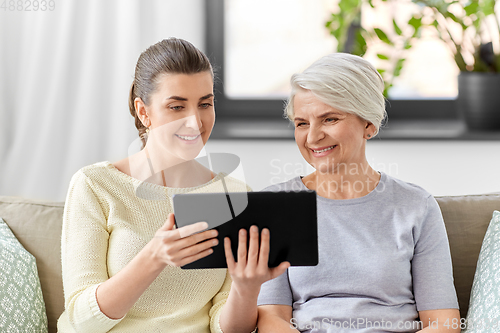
(290, 217)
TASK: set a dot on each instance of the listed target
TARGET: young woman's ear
(142, 113)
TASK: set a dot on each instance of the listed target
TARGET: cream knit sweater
(105, 225)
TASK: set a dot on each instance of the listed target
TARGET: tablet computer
(290, 217)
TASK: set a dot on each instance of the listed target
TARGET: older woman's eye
(176, 107)
(300, 124)
(329, 120)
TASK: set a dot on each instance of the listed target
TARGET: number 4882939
(28, 5)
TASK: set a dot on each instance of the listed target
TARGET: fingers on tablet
(253, 249)
(229, 254)
(192, 229)
(242, 246)
(264, 247)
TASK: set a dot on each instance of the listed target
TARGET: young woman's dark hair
(170, 56)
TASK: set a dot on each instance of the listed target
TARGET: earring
(145, 134)
(369, 136)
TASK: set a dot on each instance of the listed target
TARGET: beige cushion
(466, 219)
(37, 226)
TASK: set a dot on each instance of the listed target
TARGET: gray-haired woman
(384, 260)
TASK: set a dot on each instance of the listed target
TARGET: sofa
(37, 225)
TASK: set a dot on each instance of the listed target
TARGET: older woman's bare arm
(441, 320)
(276, 319)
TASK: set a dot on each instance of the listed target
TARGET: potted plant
(471, 30)
(345, 26)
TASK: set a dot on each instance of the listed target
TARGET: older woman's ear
(370, 130)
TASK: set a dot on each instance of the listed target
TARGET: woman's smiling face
(328, 138)
(181, 113)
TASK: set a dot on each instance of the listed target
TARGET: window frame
(400, 109)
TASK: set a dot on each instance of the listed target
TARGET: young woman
(384, 260)
(121, 260)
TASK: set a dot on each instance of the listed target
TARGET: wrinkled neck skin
(343, 180)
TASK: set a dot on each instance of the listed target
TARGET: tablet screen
(289, 216)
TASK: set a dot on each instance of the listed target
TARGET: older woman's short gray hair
(347, 83)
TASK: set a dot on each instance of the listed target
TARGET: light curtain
(64, 82)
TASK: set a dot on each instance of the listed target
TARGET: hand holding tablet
(178, 247)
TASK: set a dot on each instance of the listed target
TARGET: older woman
(384, 260)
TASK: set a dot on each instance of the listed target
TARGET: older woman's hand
(251, 270)
(179, 247)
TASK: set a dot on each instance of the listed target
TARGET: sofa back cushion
(37, 225)
(466, 219)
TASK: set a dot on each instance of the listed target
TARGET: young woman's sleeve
(84, 246)
(432, 270)
(217, 303)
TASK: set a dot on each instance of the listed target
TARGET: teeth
(188, 138)
(322, 150)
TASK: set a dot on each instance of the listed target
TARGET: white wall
(65, 77)
(441, 167)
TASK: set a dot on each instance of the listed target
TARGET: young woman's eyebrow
(177, 98)
(206, 96)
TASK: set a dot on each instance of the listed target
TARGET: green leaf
(398, 67)
(349, 6)
(381, 71)
(453, 17)
(487, 7)
(471, 8)
(387, 86)
(382, 56)
(396, 28)
(416, 23)
(382, 36)
(360, 46)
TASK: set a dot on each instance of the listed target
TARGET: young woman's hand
(178, 247)
(251, 270)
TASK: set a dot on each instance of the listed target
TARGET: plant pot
(479, 100)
